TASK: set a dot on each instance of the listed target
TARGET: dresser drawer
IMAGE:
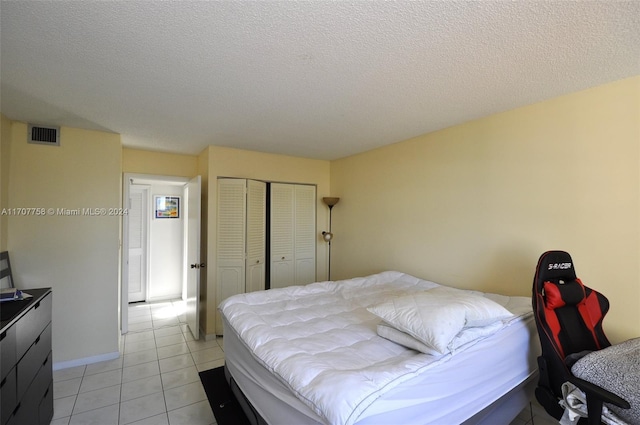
(45, 413)
(7, 351)
(36, 399)
(35, 358)
(32, 324)
(8, 398)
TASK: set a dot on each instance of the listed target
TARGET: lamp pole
(327, 236)
(329, 262)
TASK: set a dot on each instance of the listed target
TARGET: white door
(193, 263)
(138, 241)
(256, 235)
(282, 235)
(293, 235)
(305, 234)
(231, 238)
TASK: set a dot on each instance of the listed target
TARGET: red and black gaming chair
(569, 318)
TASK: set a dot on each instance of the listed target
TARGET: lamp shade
(330, 201)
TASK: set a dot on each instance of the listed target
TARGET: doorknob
(198, 266)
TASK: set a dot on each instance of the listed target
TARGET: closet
(259, 221)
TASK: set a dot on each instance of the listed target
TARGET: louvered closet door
(282, 235)
(256, 235)
(305, 234)
(231, 231)
(138, 236)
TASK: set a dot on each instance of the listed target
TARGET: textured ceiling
(314, 79)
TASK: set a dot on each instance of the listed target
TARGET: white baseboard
(161, 298)
(85, 361)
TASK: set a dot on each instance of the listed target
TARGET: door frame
(128, 179)
(146, 191)
(192, 196)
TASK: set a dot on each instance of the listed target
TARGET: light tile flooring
(534, 415)
(155, 381)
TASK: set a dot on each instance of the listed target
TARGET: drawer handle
(4, 381)
(45, 393)
(37, 340)
(36, 305)
(45, 361)
(16, 409)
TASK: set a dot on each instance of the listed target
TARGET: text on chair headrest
(558, 266)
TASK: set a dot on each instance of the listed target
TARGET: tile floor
(155, 381)
(534, 415)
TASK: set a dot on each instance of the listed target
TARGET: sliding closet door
(282, 235)
(293, 234)
(256, 235)
(231, 232)
(241, 236)
(305, 234)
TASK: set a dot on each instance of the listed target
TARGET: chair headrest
(554, 266)
(563, 293)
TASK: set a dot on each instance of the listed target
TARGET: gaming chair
(568, 317)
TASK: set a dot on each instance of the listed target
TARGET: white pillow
(434, 317)
(466, 337)
(406, 340)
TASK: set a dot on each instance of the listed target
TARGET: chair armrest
(599, 393)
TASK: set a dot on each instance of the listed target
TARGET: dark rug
(225, 406)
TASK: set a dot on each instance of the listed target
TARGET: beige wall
(471, 206)
(159, 163)
(5, 142)
(226, 162)
(76, 255)
(474, 206)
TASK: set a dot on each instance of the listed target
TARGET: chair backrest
(568, 314)
(6, 279)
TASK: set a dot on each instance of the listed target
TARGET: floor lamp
(327, 236)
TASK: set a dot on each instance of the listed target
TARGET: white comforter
(321, 341)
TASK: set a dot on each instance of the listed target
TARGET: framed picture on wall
(167, 206)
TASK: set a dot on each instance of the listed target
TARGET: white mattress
(455, 389)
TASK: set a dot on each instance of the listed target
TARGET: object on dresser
(6, 279)
(8, 294)
(13, 294)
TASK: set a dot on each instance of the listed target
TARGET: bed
(314, 354)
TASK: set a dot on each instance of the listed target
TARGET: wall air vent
(44, 135)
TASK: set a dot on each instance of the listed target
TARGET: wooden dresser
(26, 376)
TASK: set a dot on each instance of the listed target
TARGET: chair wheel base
(550, 402)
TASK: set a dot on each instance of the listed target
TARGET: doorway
(138, 239)
(159, 231)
